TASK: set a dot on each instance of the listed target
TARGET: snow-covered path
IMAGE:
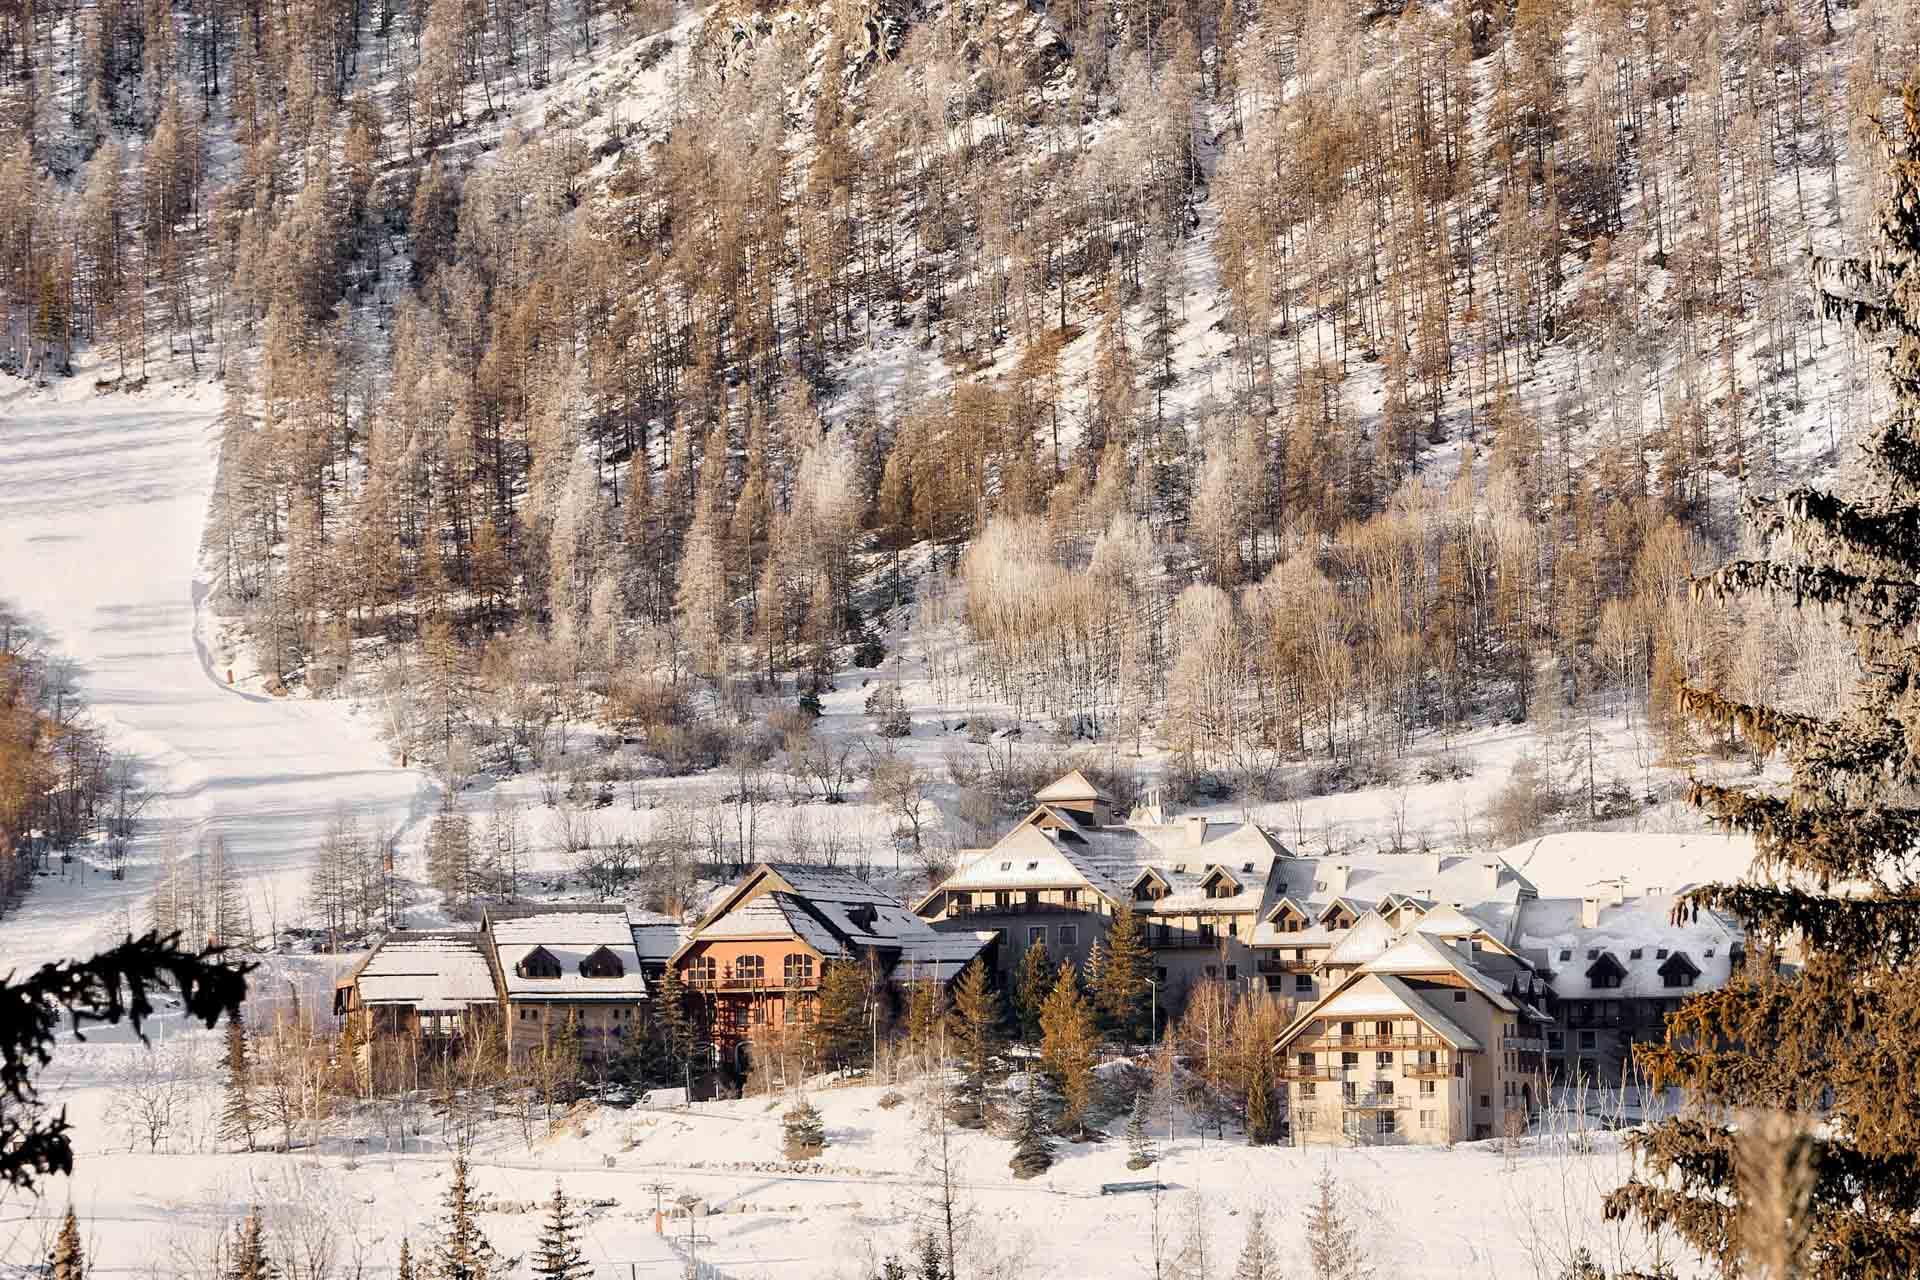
(102, 502)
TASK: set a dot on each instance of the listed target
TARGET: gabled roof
(1371, 995)
(1219, 871)
(1343, 903)
(1678, 960)
(1072, 785)
(1148, 873)
(1284, 902)
(1607, 963)
(569, 934)
(834, 913)
(1416, 954)
(1368, 938)
(431, 969)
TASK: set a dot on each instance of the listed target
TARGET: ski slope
(102, 503)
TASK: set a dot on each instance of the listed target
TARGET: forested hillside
(1270, 382)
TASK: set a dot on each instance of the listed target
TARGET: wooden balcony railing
(1380, 1042)
(1523, 1043)
(1268, 964)
(728, 982)
(1429, 1069)
(1311, 1071)
(1021, 909)
(1372, 1100)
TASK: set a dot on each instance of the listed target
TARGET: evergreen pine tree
(462, 1252)
(676, 1027)
(932, 1265)
(1067, 1049)
(1031, 987)
(405, 1270)
(839, 1029)
(1122, 985)
(1140, 1148)
(1259, 1260)
(1825, 1041)
(69, 1259)
(250, 1259)
(976, 1020)
(1333, 1244)
(557, 1256)
(1032, 1141)
(237, 1117)
(804, 1132)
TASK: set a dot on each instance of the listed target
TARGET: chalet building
(1618, 964)
(555, 964)
(1198, 886)
(1416, 1043)
(755, 960)
(434, 985)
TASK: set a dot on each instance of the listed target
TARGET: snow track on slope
(102, 503)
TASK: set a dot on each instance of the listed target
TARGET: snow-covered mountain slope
(102, 507)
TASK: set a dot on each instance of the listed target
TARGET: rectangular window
(1308, 1090)
(1069, 935)
(1070, 896)
(1426, 1089)
(1429, 1119)
(1001, 898)
(1233, 973)
(1303, 982)
(1383, 1061)
(1037, 936)
(1213, 971)
(1486, 1102)
(1384, 1122)
(1588, 1041)
(1307, 1119)
(1459, 997)
(1556, 1041)
(1349, 1061)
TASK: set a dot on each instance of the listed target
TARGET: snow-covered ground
(102, 503)
(1422, 1213)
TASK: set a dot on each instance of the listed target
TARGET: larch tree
(69, 1258)
(975, 1028)
(1334, 1251)
(462, 1251)
(1258, 1260)
(1827, 1045)
(250, 1259)
(1067, 1047)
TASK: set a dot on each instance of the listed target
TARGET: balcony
(1184, 941)
(1381, 1042)
(1523, 1043)
(1373, 1100)
(1271, 964)
(729, 983)
(1021, 909)
(1434, 1069)
(1316, 1071)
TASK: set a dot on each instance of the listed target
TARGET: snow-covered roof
(431, 969)
(1070, 786)
(655, 941)
(1639, 933)
(569, 934)
(837, 914)
(1572, 863)
(1369, 936)
(1379, 995)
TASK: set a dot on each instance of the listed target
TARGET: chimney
(1589, 913)
(1490, 876)
(1617, 892)
(1196, 829)
(1430, 863)
(1335, 877)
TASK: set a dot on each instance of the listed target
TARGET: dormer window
(1006, 866)
(1246, 868)
(538, 963)
(1637, 952)
(602, 964)
(1606, 972)
(1033, 866)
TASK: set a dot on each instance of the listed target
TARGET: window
(1246, 868)
(1213, 971)
(1429, 1119)
(1427, 1089)
(1383, 1029)
(1349, 1061)
(1660, 953)
(799, 970)
(1556, 1041)
(1070, 896)
(1566, 953)
(1459, 997)
(1069, 935)
(702, 970)
(1383, 1061)
(1308, 1090)
(1593, 953)
(1001, 898)
(1033, 866)
(1303, 982)
(1306, 1062)
(1349, 1092)
(1636, 953)
(1160, 973)
(1307, 1119)
(758, 1013)
(528, 1015)
(1677, 977)
(1384, 1121)
(1486, 1102)
(962, 902)
(1588, 1041)
(1006, 866)
(1346, 1028)
(1233, 928)
(1290, 925)
(1233, 973)
(750, 968)
(1037, 936)
(1033, 897)
(1587, 1070)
